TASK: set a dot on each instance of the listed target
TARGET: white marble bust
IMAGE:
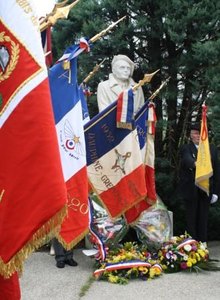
(119, 80)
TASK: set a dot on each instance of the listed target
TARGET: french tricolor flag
(145, 120)
(70, 134)
(114, 163)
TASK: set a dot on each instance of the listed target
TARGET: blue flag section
(102, 135)
(141, 124)
(85, 111)
(64, 94)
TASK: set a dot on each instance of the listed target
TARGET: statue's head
(122, 67)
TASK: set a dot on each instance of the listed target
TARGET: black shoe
(60, 264)
(71, 262)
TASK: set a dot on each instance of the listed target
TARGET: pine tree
(179, 37)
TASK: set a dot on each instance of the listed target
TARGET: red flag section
(32, 189)
(10, 288)
(133, 214)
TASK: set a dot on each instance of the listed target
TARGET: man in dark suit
(196, 201)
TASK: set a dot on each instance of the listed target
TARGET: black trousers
(197, 210)
(61, 254)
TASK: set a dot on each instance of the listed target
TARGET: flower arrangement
(182, 253)
(127, 262)
(132, 260)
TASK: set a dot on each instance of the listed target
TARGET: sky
(44, 7)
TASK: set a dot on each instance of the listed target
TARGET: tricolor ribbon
(84, 45)
(125, 109)
(122, 265)
(101, 255)
(152, 118)
(188, 241)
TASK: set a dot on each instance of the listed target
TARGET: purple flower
(183, 265)
(194, 247)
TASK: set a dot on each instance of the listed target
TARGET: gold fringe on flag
(47, 231)
(69, 246)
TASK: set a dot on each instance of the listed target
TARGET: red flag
(10, 288)
(32, 188)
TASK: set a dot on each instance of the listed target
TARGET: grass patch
(86, 286)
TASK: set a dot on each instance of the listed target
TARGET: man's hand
(214, 199)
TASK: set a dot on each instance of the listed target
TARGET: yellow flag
(203, 164)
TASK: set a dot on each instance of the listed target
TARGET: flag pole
(103, 32)
(147, 78)
(59, 12)
(92, 73)
(158, 90)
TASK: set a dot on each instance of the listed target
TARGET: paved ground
(41, 280)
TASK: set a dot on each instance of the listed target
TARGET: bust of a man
(119, 80)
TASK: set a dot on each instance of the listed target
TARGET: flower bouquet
(127, 262)
(182, 253)
(154, 227)
(109, 231)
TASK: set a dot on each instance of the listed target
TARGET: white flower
(185, 257)
(187, 248)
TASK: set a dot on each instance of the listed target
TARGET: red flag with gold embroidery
(32, 189)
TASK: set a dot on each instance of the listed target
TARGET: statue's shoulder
(103, 84)
(109, 82)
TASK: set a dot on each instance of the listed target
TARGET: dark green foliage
(179, 37)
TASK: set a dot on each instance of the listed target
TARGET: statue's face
(121, 70)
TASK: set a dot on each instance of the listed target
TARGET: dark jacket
(188, 155)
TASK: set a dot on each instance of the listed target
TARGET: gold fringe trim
(124, 125)
(69, 246)
(37, 240)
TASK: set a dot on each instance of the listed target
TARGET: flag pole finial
(103, 32)
(92, 73)
(158, 90)
(147, 78)
(59, 12)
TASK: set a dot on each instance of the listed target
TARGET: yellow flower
(192, 255)
(201, 253)
(189, 263)
(152, 272)
(157, 270)
(112, 278)
(198, 257)
(144, 270)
